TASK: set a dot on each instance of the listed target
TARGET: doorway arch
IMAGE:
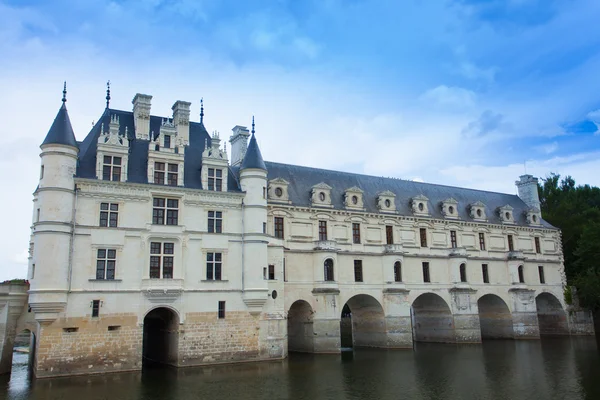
(300, 327)
(23, 353)
(495, 318)
(432, 320)
(552, 318)
(161, 337)
(363, 321)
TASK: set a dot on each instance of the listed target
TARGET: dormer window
(386, 201)
(353, 198)
(159, 173)
(533, 216)
(419, 205)
(167, 142)
(506, 214)
(477, 211)
(278, 190)
(172, 175)
(450, 208)
(215, 179)
(321, 195)
(111, 170)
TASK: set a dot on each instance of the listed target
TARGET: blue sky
(464, 92)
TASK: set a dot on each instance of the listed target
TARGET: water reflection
(546, 369)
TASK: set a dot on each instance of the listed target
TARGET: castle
(151, 244)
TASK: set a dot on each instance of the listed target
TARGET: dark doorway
(161, 336)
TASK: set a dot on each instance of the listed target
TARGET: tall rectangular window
(463, 272)
(271, 272)
(358, 271)
(423, 232)
(284, 274)
(215, 222)
(215, 179)
(322, 230)
(279, 227)
(109, 214)
(221, 312)
(481, 241)
(214, 263)
(167, 142)
(111, 169)
(538, 248)
(389, 234)
(159, 173)
(485, 273)
(161, 260)
(453, 242)
(172, 174)
(165, 207)
(42, 172)
(541, 273)
(95, 308)
(355, 233)
(106, 260)
(511, 246)
(426, 277)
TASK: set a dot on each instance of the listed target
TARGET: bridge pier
(13, 299)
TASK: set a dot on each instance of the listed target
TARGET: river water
(561, 368)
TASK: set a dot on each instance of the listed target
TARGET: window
(105, 263)
(322, 230)
(37, 215)
(172, 175)
(541, 272)
(215, 179)
(520, 272)
(538, 248)
(221, 313)
(271, 272)
(481, 241)
(42, 172)
(111, 170)
(95, 308)
(358, 272)
(161, 260)
(167, 142)
(162, 207)
(389, 234)
(32, 271)
(484, 272)
(355, 233)
(279, 227)
(328, 269)
(463, 272)
(109, 214)
(511, 246)
(159, 173)
(215, 222)
(264, 227)
(423, 232)
(264, 192)
(284, 275)
(426, 277)
(453, 239)
(397, 272)
(214, 263)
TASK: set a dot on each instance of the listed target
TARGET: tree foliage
(576, 211)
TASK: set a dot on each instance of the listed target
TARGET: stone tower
(528, 191)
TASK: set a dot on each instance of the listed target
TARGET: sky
(469, 93)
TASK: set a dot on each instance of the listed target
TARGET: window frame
(356, 233)
(328, 270)
(278, 228)
(538, 245)
(521, 274)
(481, 241)
(397, 271)
(215, 221)
(159, 174)
(453, 241)
(104, 258)
(322, 230)
(109, 213)
(463, 273)
(172, 173)
(95, 308)
(426, 272)
(485, 273)
(110, 169)
(165, 213)
(271, 272)
(221, 310)
(215, 180)
(423, 236)
(358, 271)
(214, 266)
(389, 234)
(541, 274)
(511, 243)
(163, 260)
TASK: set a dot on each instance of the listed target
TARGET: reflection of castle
(150, 243)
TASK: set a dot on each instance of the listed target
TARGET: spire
(253, 158)
(201, 110)
(107, 94)
(61, 131)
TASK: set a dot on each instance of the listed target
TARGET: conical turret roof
(61, 131)
(253, 158)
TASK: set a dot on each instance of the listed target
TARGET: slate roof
(253, 158)
(61, 131)
(138, 151)
(302, 179)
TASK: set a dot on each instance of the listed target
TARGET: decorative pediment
(450, 208)
(477, 211)
(214, 151)
(112, 137)
(353, 198)
(321, 195)
(506, 214)
(322, 185)
(386, 201)
(419, 205)
(278, 190)
(533, 216)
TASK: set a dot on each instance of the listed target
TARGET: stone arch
(161, 337)
(23, 351)
(552, 318)
(495, 318)
(363, 319)
(432, 319)
(300, 327)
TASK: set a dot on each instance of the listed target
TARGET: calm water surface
(548, 369)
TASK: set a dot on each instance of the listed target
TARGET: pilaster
(524, 313)
(466, 314)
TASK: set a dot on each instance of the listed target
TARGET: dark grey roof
(302, 179)
(61, 131)
(253, 158)
(138, 151)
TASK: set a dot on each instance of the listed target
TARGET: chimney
(528, 191)
(239, 144)
(141, 115)
(181, 119)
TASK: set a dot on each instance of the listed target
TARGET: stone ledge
(395, 291)
(325, 291)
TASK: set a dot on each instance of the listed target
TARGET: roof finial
(253, 124)
(107, 94)
(201, 110)
(64, 99)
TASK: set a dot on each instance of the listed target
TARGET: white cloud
(594, 116)
(547, 148)
(455, 97)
